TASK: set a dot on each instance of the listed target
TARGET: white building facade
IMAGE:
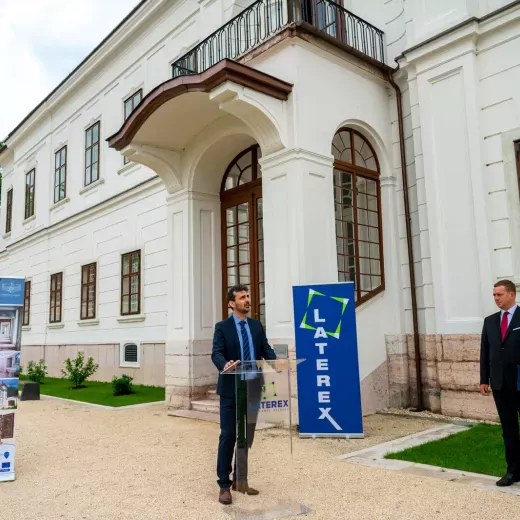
(207, 143)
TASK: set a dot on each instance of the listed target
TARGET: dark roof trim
(225, 70)
(123, 21)
(469, 21)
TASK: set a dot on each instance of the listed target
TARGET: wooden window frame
(88, 152)
(129, 276)
(26, 311)
(87, 284)
(57, 174)
(358, 171)
(56, 291)
(131, 101)
(9, 211)
(247, 193)
(30, 193)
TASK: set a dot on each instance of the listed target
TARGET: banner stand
(11, 317)
(329, 393)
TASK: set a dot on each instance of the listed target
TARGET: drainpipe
(409, 244)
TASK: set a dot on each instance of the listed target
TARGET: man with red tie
(499, 366)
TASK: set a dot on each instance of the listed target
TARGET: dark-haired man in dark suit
(236, 338)
(499, 361)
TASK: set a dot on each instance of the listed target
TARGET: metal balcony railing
(264, 18)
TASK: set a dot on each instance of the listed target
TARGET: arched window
(357, 201)
(242, 230)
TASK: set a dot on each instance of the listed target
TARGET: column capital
(183, 195)
(290, 154)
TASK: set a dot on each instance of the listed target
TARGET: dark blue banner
(329, 397)
(11, 291)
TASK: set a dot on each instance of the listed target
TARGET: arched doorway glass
(242, 230)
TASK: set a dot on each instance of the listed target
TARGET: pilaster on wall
(195, 288)
(456, 202)
(299, 224)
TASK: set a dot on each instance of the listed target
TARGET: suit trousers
(228, 431)
(508, 406)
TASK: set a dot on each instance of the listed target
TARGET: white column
(194, 289)
(299, 231)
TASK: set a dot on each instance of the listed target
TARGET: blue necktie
(245, 342)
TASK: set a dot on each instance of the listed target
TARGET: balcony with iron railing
(265, 18)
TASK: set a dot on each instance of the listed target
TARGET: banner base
(335, 435)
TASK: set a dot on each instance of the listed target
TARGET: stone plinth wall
(450, 370)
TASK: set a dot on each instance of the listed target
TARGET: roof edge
(74, 71)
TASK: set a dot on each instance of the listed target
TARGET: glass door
(243, 245)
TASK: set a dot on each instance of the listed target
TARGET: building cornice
(113, 41)
(471, 28)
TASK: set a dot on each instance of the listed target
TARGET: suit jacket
(499, 359)
(226, 347)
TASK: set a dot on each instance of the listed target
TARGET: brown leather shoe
(248, 490)
(225, 496)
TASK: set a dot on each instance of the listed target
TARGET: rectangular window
(29, 193)
(92, 154)
(27, 304)
(88, 292)
(9, 211)
(131, 283)
(130, 105)
(60, 174)
(56, 298)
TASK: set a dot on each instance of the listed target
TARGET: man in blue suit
(236, 338)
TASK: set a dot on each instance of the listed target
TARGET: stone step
(210, 417)
(213, 396)
(206, 405)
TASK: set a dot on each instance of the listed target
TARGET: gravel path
(77, 463)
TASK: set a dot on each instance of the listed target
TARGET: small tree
(77, 371)
(36, 371)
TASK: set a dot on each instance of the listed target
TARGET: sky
(41, 42)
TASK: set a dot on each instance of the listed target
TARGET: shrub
(122, 385)
(36, 371)
(77, 371)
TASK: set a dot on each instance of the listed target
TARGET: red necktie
(503, 325)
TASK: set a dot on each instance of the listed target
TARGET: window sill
(86, 323)
(55, 325)
(30, 219)
(131, 318)
(5, 236)
(129, 365)
(59, 203)
(92, 186)
(26, 328)
(128, 168)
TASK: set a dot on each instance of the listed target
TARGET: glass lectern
(265, 416)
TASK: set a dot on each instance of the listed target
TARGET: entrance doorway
(242, 230)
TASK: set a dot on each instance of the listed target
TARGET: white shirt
(510, 313)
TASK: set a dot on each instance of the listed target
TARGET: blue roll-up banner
(329, 396)
(11, 316)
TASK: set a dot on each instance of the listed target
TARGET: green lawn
(479, 450)
(99, 393)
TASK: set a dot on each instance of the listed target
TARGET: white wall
(100, 235)
(355, 98)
